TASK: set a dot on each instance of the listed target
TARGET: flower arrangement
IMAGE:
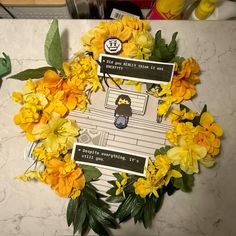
(53, 91)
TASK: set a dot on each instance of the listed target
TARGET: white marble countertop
(210, 209)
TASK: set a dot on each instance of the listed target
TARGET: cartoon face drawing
(123, 111)
(113, 45)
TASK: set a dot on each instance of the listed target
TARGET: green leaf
(140, 202)
(52, 47)
(115, 199)
(112, 191)
(90, 194)
(170, 188)
(162, 150)
(80, 216)
(162, 51)
(118, 176)
(159, 201)
(124, 210)
(112, 182)
(91, 173)
(103, 216)
(196, 120)
(185, 183)
(71, 208)
(139, 216)
(149, 86)
(178, 60)
(97, 227)
(204, 109)
(31, 73)
(148, 213)
(85, 226)
(182, 107)
(129, 188)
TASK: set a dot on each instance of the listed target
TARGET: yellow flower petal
(216, 129)
(208, 161)
(206, 119)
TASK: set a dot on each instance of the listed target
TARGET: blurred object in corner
(167, 10)
(117, 9)
(214, 10)
(34, 9)
(86, 9)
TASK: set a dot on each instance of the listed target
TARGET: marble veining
(210, 209)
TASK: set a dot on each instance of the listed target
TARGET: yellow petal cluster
(158, 174)
(180, 115)
(182, 86)
(56, 94)
(121, 185)
(57, 134)
(183, 83)
(207, 134)
(137, 42)
(187, 156)
(65, 177)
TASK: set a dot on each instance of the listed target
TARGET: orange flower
(181, 89)
(208, 140)
(65, 177)
(51, 80)
(190, 70)
(183, 84)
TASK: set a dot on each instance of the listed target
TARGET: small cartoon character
(123, 111)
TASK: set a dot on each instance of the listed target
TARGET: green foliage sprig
(53, 55)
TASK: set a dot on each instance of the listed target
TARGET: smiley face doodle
(113, 45)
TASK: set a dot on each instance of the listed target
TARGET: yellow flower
(58, 133)
(178, 115)
(64, 177)
(17, 97)
(164, 107)
(135, 23)
(186, 130)
(165, 89)
(172, 173)
(208, 161)
(121, 185)
(172, 136)
(141, 45)
(125, 30)
(190, 70)
(207, 121)
(81, 73)
(163, 164)
(208, 140)
(187, 156)
(52, 81)
(30, 87)
(56, 104)
(183, 84)
(182, 89)
(30, 175)
(42, 155)
(143, 187)
(94, 39)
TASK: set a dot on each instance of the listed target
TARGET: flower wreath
(63, 87)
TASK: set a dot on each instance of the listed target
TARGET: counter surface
(210, 209)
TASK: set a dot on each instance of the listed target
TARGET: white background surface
(33, 209)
